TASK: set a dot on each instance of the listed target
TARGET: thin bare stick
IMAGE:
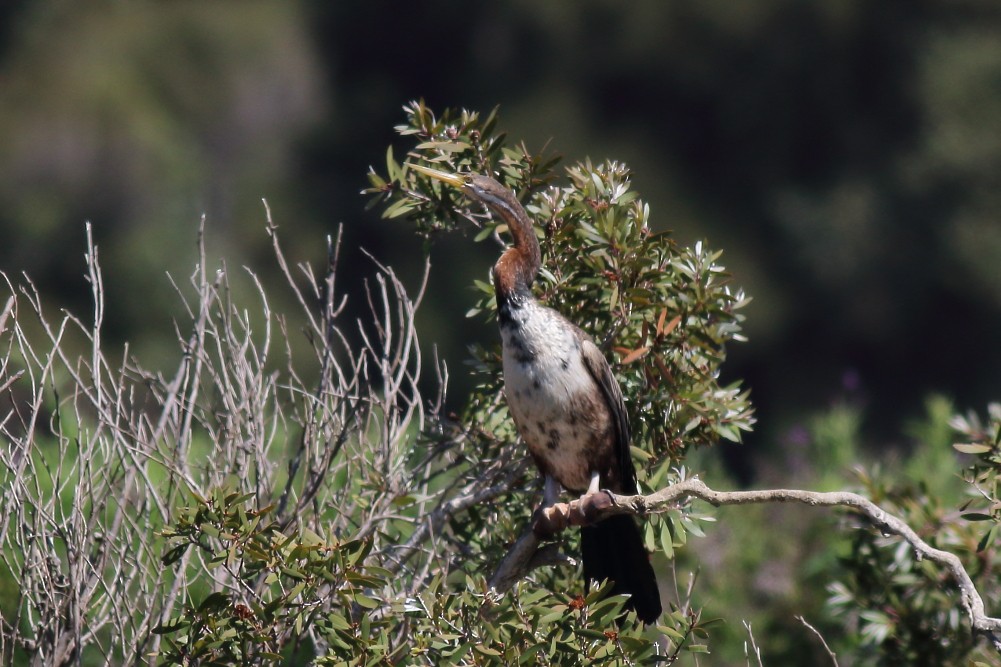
(753, 647)
(833, 656)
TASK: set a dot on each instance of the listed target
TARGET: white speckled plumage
(551, 394)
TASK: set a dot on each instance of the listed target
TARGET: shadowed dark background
(846, 155)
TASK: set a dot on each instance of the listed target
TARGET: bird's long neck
(517, 267)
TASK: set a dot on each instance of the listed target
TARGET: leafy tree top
(666, 311)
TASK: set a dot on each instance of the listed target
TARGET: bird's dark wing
(613, 549)
(599, 369)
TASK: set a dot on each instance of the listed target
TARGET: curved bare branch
(591, 508)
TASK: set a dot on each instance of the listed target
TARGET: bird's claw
(592, 503)
(552, 519)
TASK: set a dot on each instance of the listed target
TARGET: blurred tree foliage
(140, 117)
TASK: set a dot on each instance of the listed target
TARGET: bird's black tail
(613, 549)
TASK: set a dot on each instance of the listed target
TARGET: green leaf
(445, 146)
(392, 166)
(986, 540)
(400, 208)
(666, 540)
(972, 448)
(174, 554)
(209, 529)
(365, 601)
(338, 622)
(173, 625)
(214, 602)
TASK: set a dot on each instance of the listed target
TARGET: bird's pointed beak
(455, 180)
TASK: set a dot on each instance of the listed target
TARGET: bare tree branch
(591, 508)
(830, 653)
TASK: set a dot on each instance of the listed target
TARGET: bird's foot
(551, 519)
(591, 503)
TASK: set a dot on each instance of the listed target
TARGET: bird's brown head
(516, 269)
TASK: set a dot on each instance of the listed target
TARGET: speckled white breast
(555, 402)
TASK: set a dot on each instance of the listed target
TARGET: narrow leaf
(635, 354)
(971, 448)
(671, 326)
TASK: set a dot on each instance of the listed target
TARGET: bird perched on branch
(565, 401)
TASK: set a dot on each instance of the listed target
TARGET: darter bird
(564, 400)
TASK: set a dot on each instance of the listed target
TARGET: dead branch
(820, 637)
(98, 453)
(592, 508)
